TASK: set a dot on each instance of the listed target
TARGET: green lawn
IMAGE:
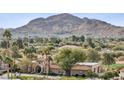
(43, 78)
(72, 78)
(116, 66)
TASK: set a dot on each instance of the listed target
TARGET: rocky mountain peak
(64, 25)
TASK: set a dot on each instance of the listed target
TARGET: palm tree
(9, 61)
(48, 63)
(47, 58)
(24, 63)
(108, 59)
(7, 34)
(15, 54)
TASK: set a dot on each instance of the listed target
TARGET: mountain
(63, 25)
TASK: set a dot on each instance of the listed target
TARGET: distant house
(78, 69)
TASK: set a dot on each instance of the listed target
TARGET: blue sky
(13, 20)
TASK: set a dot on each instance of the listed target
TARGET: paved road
(4, 76)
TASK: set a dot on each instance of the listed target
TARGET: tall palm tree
(47, 58)
(24, 63)
(15, 54)
(9, 61)
(7, 34)
(48, 63)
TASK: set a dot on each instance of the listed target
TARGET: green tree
(109, 75)
(15, 52)
(30, 51)
(74, 38)
(90, 43)
(67, 57)
(3, 44)
(108, 59)
(9, 61)
(24, 64)
(82, 38)
(20, 43)
(7, 34)
(46, 51)
(93, 55)
(54, 40)
(91, 74)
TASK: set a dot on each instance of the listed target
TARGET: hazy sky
(13, 20)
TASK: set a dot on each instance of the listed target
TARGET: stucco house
(41, 66)
(78, 69)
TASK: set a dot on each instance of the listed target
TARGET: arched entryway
(38, 69)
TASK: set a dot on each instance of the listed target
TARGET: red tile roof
(75, 67)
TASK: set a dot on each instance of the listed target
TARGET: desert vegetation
(19, 53)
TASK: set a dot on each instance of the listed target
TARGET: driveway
(4, 76)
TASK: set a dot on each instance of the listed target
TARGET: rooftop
(119, 62)
(87, 63)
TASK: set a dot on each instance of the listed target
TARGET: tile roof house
(78, 69)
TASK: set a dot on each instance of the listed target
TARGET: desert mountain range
(64, 25)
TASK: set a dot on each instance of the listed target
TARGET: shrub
(92, 55)
(91, 74)
(109, 75)
(71, 78)
(30, 78)
(98, 48)
(118, 54)
(119, 47)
